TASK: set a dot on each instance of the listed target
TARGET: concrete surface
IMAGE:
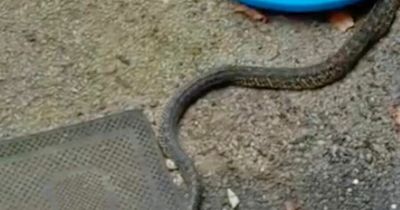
(62, 62)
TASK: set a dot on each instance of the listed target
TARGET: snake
(375, 25)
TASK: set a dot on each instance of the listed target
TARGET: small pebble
(171, 164)
(356, 181)
(393, 206)
(178, 180)
(123, 59)
(74, 90)
(226, 208)
(154, 104)
(103, 148)
(233, 199)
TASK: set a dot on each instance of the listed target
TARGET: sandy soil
(63, 62)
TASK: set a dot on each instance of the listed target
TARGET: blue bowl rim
(299, 5)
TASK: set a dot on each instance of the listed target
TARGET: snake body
(373, 27)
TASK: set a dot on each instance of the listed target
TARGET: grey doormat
(111, 163)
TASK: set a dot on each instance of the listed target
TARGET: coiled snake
(374, 26)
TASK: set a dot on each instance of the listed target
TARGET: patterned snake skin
(374, 26)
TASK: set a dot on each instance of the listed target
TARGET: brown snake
(374, 26)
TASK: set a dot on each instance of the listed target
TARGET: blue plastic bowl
(299, 5)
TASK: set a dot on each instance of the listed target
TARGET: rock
(233, 199)
(171, 164)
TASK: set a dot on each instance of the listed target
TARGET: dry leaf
(394, 108)
(394, 111)
(251, 13)
(291, 205)
(341, 20)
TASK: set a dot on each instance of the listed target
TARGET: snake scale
(374, 26)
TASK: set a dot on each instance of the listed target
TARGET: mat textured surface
(108, 163)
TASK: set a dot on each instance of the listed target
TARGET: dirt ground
(63, 62)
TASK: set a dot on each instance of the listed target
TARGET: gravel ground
(63, 62)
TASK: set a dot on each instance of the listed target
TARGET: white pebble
(356, 181)
(233, 199)
(178, 180)
(393, 206)
(170, 164)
